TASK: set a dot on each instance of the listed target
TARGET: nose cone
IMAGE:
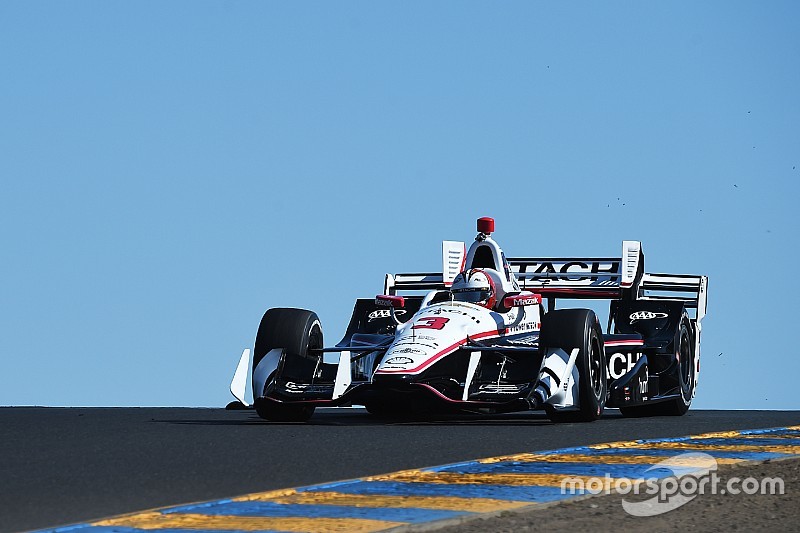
(433, 334)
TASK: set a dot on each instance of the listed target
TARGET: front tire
(579, 328)
(296, 331)
(235, 405)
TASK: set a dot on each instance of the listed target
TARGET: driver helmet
(474, 286)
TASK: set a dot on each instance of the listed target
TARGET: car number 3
(430, 322)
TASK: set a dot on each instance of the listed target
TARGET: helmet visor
(472, 296)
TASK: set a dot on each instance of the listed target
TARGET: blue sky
(170, 170)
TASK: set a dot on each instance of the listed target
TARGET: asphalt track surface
(60, 466)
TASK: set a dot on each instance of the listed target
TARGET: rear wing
(592, 277)
(691, 290)
(454, 253)
(585, 278)
(413, 282)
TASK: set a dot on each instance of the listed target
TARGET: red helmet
(474, 286)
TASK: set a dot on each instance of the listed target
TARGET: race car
(485, 336)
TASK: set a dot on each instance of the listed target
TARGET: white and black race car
(484, 336)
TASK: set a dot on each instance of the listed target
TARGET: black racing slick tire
(579, 328)
(686, 377)
(684, 349)
(296, 331)
(235, 405)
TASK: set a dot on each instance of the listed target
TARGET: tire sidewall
(595, 397)
(685, 348)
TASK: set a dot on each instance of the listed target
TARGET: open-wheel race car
(485, 336)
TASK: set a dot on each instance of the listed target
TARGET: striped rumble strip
(455, 491)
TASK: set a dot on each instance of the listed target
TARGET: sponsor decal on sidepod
(646, 315)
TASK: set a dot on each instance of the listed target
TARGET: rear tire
(294, 330)
(684, 350)
(578, 328)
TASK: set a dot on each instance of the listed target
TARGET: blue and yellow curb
(455, 491)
